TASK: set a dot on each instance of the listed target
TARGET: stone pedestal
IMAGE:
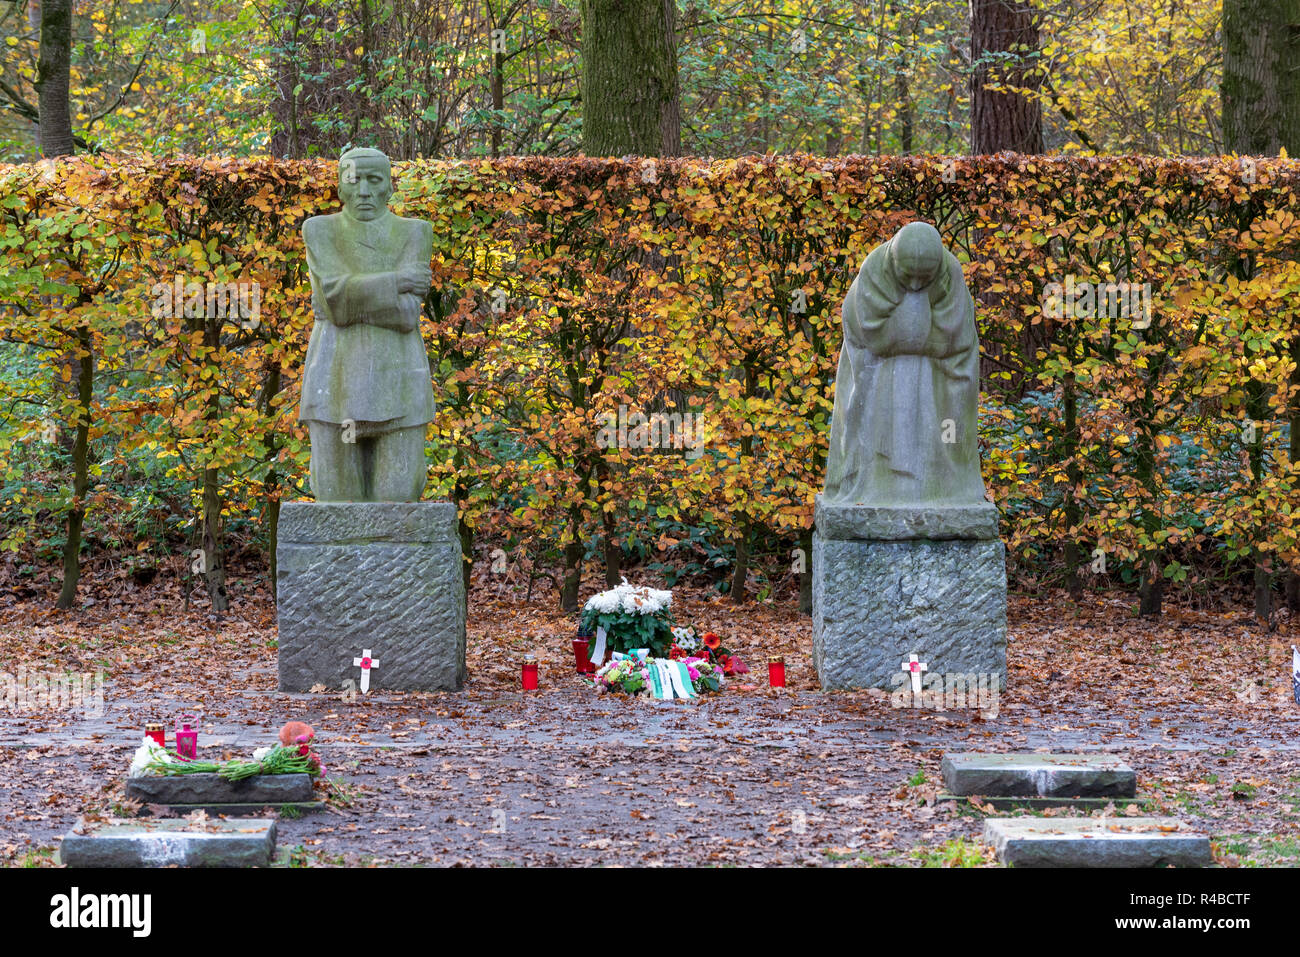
(892, 582)
(383, 576)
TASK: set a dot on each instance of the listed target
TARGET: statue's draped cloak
(908, 378)
(366, 360)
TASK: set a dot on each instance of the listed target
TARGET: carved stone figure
(904, 430)
(367, 394)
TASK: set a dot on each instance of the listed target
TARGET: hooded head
(916, 252)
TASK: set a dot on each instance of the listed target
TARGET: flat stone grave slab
(162, 843)
(1038, 775)
(1038, 803)
(213, 793)
(1097, 842)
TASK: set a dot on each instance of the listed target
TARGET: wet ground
(1199, 704)
(565, 777)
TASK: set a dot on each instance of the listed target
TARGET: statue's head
(917, 254)
(365, 183)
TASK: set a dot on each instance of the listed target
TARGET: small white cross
(365, 663)
(1295, 673)
(914, 666)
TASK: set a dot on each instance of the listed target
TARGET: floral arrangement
(633, 617)
(152, 758)
(627, 675)
(705, 675)
(707, 646)
(685, 641)
(631, 675)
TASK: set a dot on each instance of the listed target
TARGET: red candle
(581, 657)
(529, 675)
(776, 672)
(155, 730)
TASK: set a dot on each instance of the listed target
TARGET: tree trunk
(613, 553)
(53, 83)
(1004, 44)
(271, 484)
(1151, 581)
(1263, 591)
(498, 99)
(805, 578)
(214, 566)
(273, 534)
(1151, 586)
(572, 577)
(1257, 408)
(608, 526)
(466, 555)
(53, 78)
(1293, 577)
(741, 572)
(1074, 475)
(80, 470)
(630, 95)
(903, 96)
(1261, 80)
(572, 564)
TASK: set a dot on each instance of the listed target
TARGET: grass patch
(955, 852)
(341, 793)
(301, 856)
(1253, 850)
(38, 857)
(838, 855)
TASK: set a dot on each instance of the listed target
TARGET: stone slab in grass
(1097, 842)
(212, 788)
(1038, 775)
(161, 843)
(1039, 803)
(195, 789)
(283, 809)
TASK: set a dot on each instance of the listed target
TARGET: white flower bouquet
(632, 617)
(149, 758)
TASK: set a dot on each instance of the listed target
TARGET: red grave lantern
(581, 654)
(187, 738)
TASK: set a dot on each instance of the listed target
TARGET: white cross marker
(913, 666)
(365, 663)
(1295, 673)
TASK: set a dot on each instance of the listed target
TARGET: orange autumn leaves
(566, 290)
